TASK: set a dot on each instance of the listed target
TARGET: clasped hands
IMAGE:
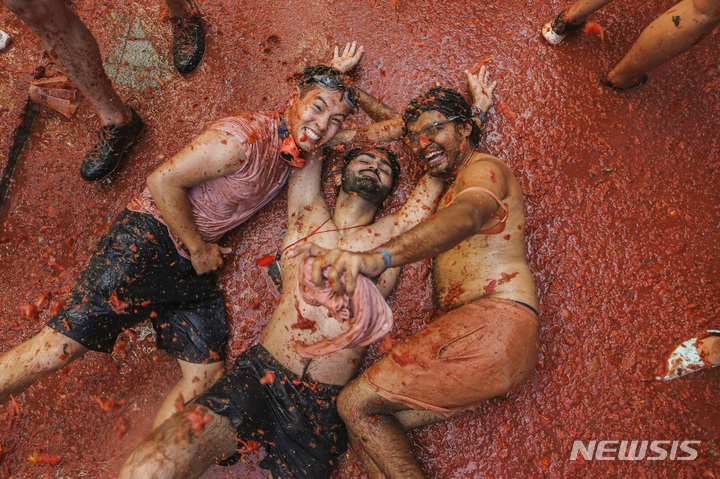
(351, 263)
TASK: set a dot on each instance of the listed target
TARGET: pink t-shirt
(221, 204)
(366, 310)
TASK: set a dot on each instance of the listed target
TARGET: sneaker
(5, 40)
(686, 359)
(112, 143)
(556, 31)
(188, 40)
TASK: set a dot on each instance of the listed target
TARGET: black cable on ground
(22, 133)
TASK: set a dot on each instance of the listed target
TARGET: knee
(158, 455)
(353, 403)
(147, 461)
(198, 378)
(708, 10)
(54, 350)
(344, 407)
(51, 20)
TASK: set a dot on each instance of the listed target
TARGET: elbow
(154, 182)
(161, 181)
(474, 222)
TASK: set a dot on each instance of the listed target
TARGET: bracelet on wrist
(478, 113)
(386, 256)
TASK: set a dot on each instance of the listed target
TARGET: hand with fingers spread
(349, 58)
(341, 261)
(208, 257)
(481, 88)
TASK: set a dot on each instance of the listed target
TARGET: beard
(367, 188)
(445, 169)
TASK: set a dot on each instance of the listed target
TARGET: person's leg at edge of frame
(73, 47)
(710, 347)
(580, 11)
(176, 449)
(195, 379)
(188, 35)
(570, 19)
(672, 33)
(376, 434)
(179, 8)
(39, 356)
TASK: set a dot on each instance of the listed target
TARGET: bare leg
(177, 449)
(570, 19)
(709, 349)
(196, 378)
(73, 47)
(179, 8)
(409, 419)
(188, 35)
(672, 33)
(372, 470)
(373, 427)
(35, 358)
(578, 12)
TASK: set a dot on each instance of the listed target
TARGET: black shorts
(137, 273)
(295, 420)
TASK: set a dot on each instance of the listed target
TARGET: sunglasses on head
(412, 138)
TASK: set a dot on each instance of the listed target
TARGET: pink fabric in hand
(366, 310)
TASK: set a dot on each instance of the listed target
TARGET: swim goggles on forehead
(333, 84)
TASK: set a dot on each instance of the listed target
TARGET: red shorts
(478, 351)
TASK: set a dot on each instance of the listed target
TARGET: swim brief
(293, 418)
(473, 353)
(136, 273)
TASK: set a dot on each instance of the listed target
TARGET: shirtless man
(155, 258)
(275, 395)
(485, 343)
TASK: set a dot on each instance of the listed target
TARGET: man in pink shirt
(155, 258)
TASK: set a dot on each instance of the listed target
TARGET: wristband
(386, 256)
(478, 113)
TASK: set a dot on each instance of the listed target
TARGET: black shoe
(112, 143)
(188, 40)
(562, 27)
(605, 81)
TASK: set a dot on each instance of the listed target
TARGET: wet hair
(309, 80)
(391, 157)
(446, 101)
